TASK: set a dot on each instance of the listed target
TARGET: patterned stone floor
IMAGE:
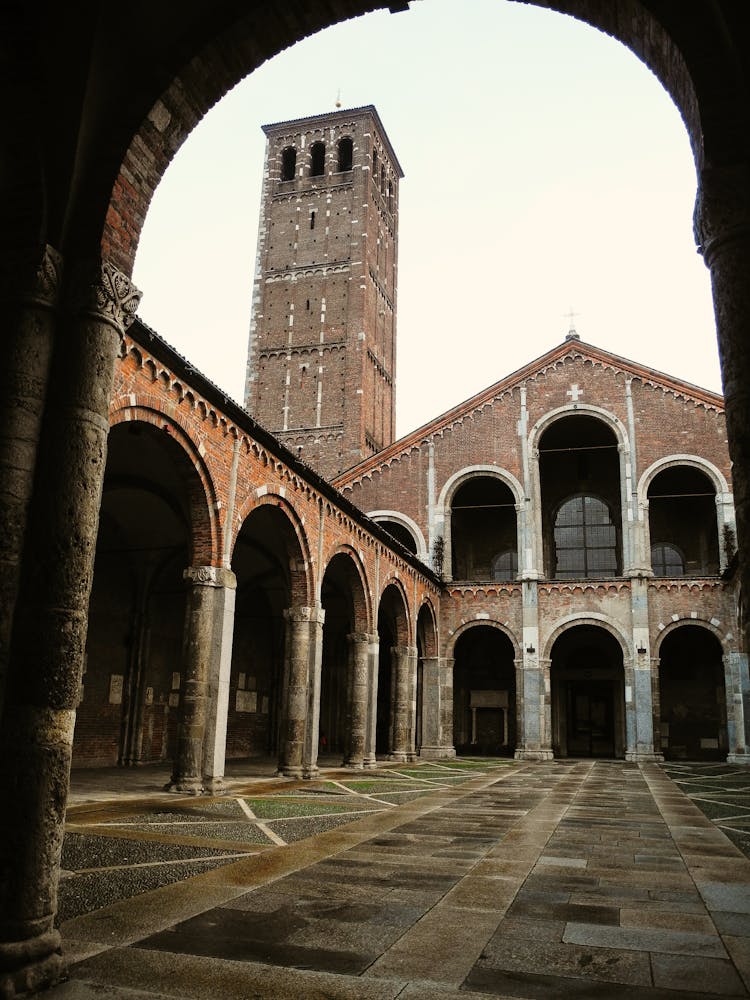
(722, 792)
(118, 848)
(539, 881)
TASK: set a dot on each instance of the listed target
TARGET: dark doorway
(484, 693)
(692, 696)
(588, 694)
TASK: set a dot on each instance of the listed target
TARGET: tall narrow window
(312, 220)
(317, 159)
(288, 163)
(382, 180)
(375, 165)
(390, 197)
(346, 154)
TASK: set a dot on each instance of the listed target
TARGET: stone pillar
(49, 629)
(737, 684)
(357, 689)
(411, 736)
(300, 712)
(223, 592)
(446, 705)
(432, 730)
(532, 685)
(639, 706)
(373, 662)
(29, 299)
(205, 630)
(722, 232)
(402, 658)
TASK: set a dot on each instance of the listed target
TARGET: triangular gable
(570, 348)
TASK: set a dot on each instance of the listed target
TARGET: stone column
(446, 704)
(359, 662)
(198, 647)
(722, 232)
(49, 628)
(29, 297)
(223, 590)
(373, 663)
(738, 707)
(411, 737)
(401, 660)
(300, 712)
(432, 730)
(639, 707)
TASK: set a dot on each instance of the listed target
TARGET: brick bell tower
(322, 348)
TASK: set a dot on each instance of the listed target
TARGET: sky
(546, 171)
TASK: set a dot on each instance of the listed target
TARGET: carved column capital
(722, 208)
(210, 576)
(103, 292)
(34, 279)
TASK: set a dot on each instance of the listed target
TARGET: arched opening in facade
(392, 637)
(579, 473)
(692, 695)
(264, 551)
(428, 693)
(682, 523)
(588, 694)
(484, 693)
(400, 532)
(484, 537)
(341, 597)
(317, 159)
(130, 705)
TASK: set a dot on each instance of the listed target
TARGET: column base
(290, 771)
(436, 753)
(738, 758)
(533, 755)
(31, 965)
(185, 786)
(215, 786)
(644, 757)
(354, 765)
(398, 756)
(370, 763)
(313, 771)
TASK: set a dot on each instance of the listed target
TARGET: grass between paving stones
(372, 787)
(287, 806)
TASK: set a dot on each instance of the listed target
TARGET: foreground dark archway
(484, 693)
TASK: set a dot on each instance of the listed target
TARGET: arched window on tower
(382, 179)
(375, 165)
(346, 154)
(317, 159)
(390, 197)
(288, 163)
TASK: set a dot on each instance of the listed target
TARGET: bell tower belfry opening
(322, 346)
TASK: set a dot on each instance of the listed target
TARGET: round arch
(693, 461)
(427, 630)
(406, 522)
(454, 482)
(405, 632)
(578, 410)
(363, 610)
(301, 569)
(464, 627)
(586, 618)
(485, 709)
(206, 544)
(681, 622)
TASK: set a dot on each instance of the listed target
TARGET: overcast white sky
(546, 169)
